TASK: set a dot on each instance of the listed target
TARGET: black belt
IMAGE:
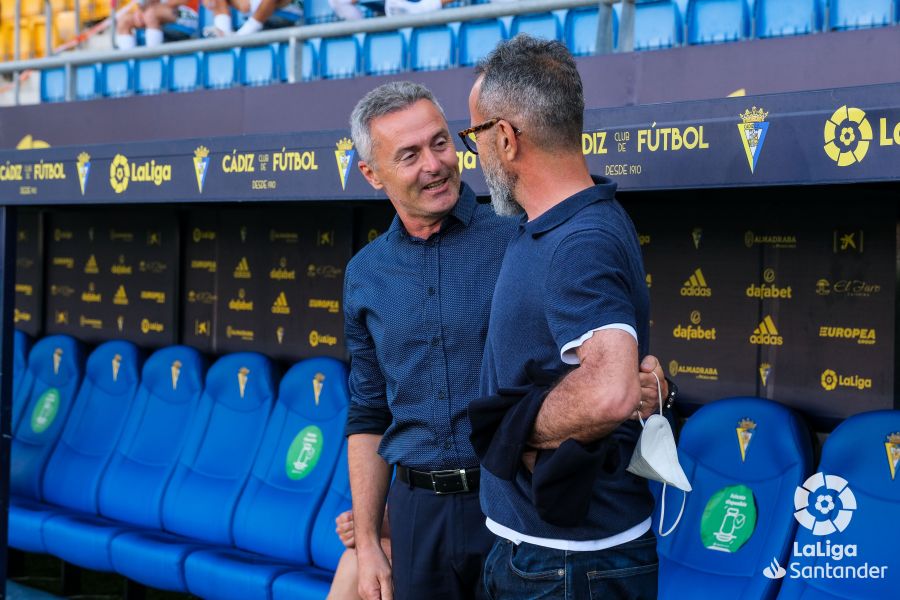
(453, 481)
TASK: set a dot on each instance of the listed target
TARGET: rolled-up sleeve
(368, 411)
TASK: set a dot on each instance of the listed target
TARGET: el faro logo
(344, 157)
(753, 131)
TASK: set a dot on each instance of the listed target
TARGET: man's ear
(370, 175)
(507, 141)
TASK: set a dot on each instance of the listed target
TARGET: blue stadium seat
(478, 38)
(657, 25)
(87, 82)
(116, 79)
(51, 381)
(736, 450)
(775, 18)
(150, 75)
(384, 53)
(53, 85)
(861, 464)
(326, 547)
(199, 502)
(318, 11)
(714, 21)
(220, 69)
(259, 65)
(339, 57)
(581, 31)
(539, 25)
(432, 48)
(21, 348)
(309, 68)
(859, 14)
(131, 491)
(293, 469)
(184, 72)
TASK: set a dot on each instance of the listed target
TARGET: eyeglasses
(468, 135)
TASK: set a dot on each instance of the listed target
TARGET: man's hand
(344, 529)
(375, 579)
(649, 391)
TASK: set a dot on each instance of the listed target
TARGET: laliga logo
(118, 174)
(847, 136)
(824, 504)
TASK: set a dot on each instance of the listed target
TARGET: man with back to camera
(416, 305)
(571, 290)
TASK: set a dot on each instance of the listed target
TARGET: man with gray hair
(416, 307)
(571, 291)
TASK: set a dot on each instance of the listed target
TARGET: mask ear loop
(662, 508)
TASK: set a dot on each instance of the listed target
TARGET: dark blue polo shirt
(573, 269)
(416, 315)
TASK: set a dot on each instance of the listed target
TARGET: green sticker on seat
(729, 519)
(304, 452)
(45, 410)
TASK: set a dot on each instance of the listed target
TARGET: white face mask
(656, 458)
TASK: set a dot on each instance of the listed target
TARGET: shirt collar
(462, 212)
(603, 189)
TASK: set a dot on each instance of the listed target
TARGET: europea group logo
(824, 505)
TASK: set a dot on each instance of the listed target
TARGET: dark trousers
(438, 544)
(528, 572)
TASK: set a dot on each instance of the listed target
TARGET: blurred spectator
(161, 20)
(259, 15)
(350, 10)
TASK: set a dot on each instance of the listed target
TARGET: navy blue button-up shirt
(415, 316)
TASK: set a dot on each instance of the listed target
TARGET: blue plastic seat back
(857, 484)
(657, 25)
(432, 48)
(539, 25)
(220, 69)
(117, 79)
(738, 453)
(325, 545)
(581, 30)
(184, 72)
(55, 369)
(21, 348)
(73, 473)
(296, 461)
(478, 38)
(384, 53)
(787, 17)
(859, 14)
(259, 65)
(150, 75)
(714, 21)
(339, 57)
(87, 82)
(163, 412)
(318, 11)
(309, 65)
(53, 85)
(220, 448)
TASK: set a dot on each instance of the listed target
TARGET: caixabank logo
(824, 506)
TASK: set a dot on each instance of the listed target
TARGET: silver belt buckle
(460, 472)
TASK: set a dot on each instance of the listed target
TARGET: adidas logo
(120, 298)
(280, 306)
(696, 286)
(242, 271)
(766, 334)
(91, 267)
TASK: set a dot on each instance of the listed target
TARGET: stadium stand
(718, 547)
(220, 69)
(339, 57)
(775, 18)
(150, 75)
(116, 79)
(716, 21)
(184, 72)
(384, 53)
(539, 25)
(258, 65)
(859, 14)
(477, 38)
(860, 490)
(433, 48)
(657, 25)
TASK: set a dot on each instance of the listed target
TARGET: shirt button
(431, 291)
(447, 445)
(435, 340)
(442, 394)
(561, 572)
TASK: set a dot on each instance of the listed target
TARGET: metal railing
(295, 36)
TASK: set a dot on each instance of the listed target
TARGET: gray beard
(501, 186)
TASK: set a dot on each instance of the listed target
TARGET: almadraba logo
(824, 505)
(847, 136)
